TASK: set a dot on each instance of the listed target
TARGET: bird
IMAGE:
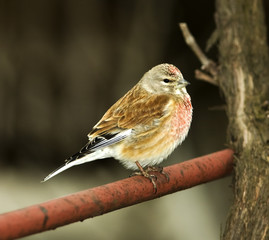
(143, 127)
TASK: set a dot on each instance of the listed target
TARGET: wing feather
(136, 108)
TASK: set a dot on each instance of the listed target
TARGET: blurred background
(62, 65)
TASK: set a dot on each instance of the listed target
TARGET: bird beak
(184, 83)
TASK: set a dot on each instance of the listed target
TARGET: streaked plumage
(144, 126)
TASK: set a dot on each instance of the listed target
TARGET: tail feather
(76, 161)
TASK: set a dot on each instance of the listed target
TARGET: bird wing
(136, 108)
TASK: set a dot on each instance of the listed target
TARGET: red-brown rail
(112, 196)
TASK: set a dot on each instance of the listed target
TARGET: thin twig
(205, 77)
(193, 45)
(207, 64)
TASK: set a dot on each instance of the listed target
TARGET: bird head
(164, 78)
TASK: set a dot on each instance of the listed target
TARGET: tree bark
(244, 80)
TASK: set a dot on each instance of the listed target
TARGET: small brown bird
(144, 126)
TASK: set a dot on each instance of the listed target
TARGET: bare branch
(207, 64)
(193, 45)
(205, 77)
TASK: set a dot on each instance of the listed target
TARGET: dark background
(62, 65)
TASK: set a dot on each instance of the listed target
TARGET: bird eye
(166, 80)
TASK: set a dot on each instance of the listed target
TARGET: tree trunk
(244, 80)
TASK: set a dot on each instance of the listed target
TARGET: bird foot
(158, 169)
(151, 177)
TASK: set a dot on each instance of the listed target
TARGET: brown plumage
(134, 108)
(144, 126)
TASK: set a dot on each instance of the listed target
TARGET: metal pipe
(103, 199)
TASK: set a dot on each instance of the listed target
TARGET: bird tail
(76, 159)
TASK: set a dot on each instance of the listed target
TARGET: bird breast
(153, 145)
(181, 120)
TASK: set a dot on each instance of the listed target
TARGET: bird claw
(151, 177)
(160, 170)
